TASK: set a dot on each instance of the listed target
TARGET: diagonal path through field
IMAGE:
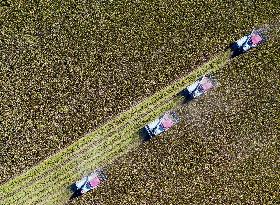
(47, 182)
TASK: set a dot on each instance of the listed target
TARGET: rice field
(69, 68)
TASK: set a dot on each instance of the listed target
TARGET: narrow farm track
(48, 180)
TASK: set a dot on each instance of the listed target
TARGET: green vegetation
(86, 62)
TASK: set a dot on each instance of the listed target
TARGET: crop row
(55, 181)
(52, 177)
(55, 189)
(96, 135)
(60, 195)
(167, 106)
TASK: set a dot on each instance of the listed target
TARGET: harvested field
(68, 68)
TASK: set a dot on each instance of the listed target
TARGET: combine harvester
(90, 182)
(170, 118)
(247, 42)
(202, 85)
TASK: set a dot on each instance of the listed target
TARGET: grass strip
(57, 159)
(60, 188)
(104, 149)
(77, 151)
(61, 197)
(56, 179)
